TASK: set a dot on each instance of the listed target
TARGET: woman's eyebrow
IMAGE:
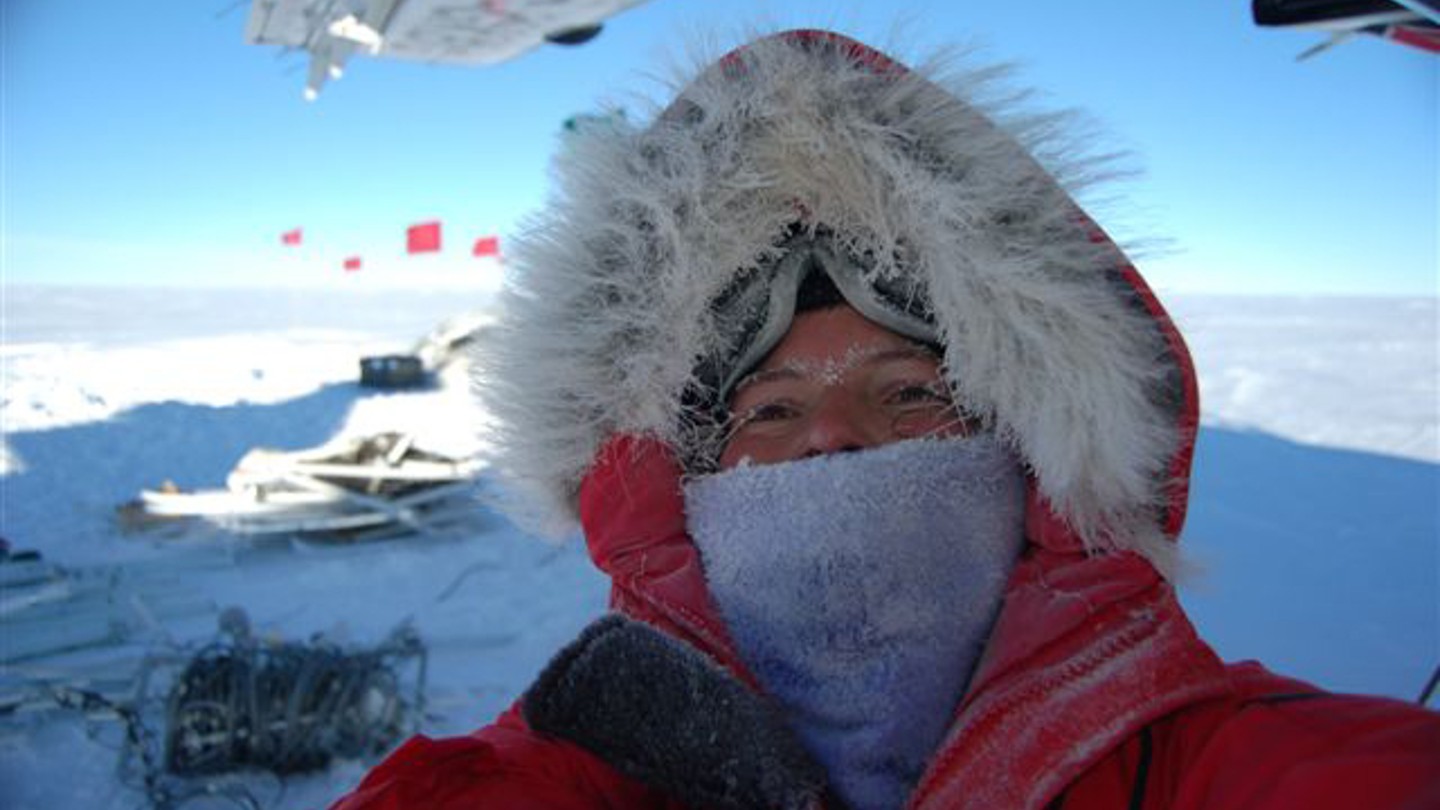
(801, 371)
(786, 372)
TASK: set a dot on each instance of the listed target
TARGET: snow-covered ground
(1313, 517)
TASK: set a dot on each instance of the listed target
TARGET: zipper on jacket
(1142, 771)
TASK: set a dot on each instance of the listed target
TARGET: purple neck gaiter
(860, 589)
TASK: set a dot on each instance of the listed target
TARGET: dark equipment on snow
(442, 346)
(287, 707)
(391, 371)
(242, 705)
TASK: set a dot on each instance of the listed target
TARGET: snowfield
(1314, 520)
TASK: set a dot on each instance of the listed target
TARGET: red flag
(423, 238)
(352, 264)
(290, 237)
(486, 246)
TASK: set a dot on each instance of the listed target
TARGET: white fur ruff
(607, 311)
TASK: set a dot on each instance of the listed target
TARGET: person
(884, 447)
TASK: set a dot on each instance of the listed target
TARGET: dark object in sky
(1410, 22)
(574, 36)
(463, 32)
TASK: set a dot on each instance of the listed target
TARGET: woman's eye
(919, 395)
(769, 412)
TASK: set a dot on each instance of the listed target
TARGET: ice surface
(1314, 501)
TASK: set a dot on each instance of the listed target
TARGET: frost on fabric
(860, 589)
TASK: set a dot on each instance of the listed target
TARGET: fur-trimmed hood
(1049, 334)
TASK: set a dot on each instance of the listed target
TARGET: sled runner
(84, 628)
(349, 489)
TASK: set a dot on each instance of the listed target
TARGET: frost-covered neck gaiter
(860, 589)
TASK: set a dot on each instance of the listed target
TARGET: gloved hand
(667, 716)
(632, 508)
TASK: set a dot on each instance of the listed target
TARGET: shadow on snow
(72, 478)
(1320, 562)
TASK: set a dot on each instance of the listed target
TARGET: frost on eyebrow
(833, 370)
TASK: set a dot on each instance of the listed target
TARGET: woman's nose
(837, 425)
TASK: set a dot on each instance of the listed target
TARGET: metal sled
(346, 489)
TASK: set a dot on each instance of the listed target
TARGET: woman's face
(837, 382)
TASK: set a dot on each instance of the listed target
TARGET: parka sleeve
(502, 765)
(1319, 751)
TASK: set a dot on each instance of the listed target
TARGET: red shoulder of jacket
(1274, 743)
(1287, 747)
(505, 764)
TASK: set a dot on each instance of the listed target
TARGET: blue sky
(145, 143)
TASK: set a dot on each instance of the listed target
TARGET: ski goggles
(756, 310)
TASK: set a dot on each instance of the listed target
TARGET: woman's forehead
(833, 370)
(826, 345)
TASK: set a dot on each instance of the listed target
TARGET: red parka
(1094, 693)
